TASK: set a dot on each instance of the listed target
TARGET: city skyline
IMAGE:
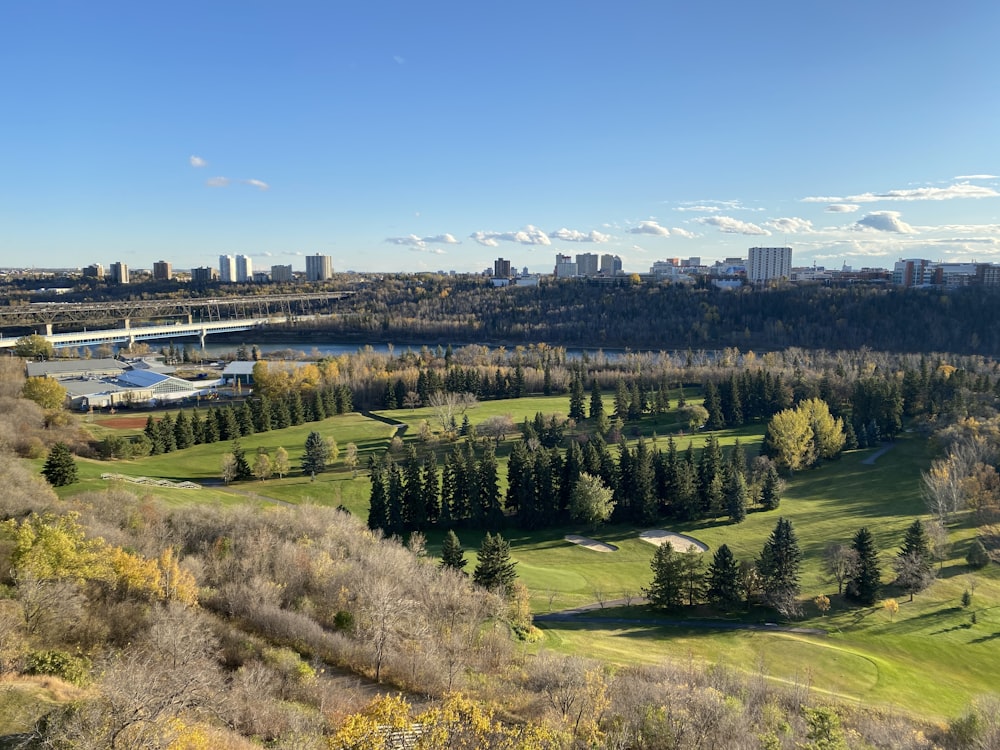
(448, 136)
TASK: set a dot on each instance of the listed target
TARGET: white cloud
(713, 206)
(197, 161)
(419, 243)
(977, 177)
(650, 227)
(575, 235)
(730, 225)
(885, 221)
(842, 208)
(217, 182)
(958, 190)
(822, 199)
(530, 235)
(260, 184)
(790, 225)
(682, 233)
(429, 250)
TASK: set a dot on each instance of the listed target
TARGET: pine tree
(488, 490)
(242, 467)
(495, 569)
(723, 577)
(692, 572)
(865, 581)
(713, 405)
(414, 508)
(666, 589)
(452, 554)
(779, 566)
(769, 493)
(622, 400)
(183, 432)
(316, 454)
(60, 467)
(431, 490)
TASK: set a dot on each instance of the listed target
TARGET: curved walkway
(574, 615)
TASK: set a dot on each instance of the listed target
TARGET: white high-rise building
(244, 268)
(319, 267)
(766, 263)
(227, 269)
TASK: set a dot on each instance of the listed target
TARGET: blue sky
(404, 136)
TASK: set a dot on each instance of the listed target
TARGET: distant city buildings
(319, 267)
(281, 274)
(95, 271)
(163, 271)
(767, 263)
(565, 267)
(227, 269)
(244, 269)
(203, 275)
(118, 272)
(501, 268)
(588, 264)
(611, 265)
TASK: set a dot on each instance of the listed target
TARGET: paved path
(578, 615)
(870, 461)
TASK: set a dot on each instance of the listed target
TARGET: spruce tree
(315, 455)
(452, 554)
(769, 493)
(60, 467)
(915, 565)
(576, 399)
(377, 505)
(431, 490)
(723, 577)
(736, 497)
(866, 579)
(183, 432)
(243, 470)
(779, 567)
(596, 402)
(495, 569)
(666, 589)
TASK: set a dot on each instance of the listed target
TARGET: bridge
(188, 310)
(129, 335)
(144, 320)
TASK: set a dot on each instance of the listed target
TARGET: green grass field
(929, 661)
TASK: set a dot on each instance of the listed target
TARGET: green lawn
(931, 660)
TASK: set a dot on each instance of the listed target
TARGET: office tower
(319, 267)
(767, 263)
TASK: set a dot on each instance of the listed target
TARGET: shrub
(978, 557)
(60, 664)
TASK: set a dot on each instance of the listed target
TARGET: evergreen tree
(596, 402)
(242, 466)
(452, 554)
(210, 427)
(779, 567)
(666, 589)
(495, 569)
(488, 490)
(645, 504)
(183, 432)
(866, 578)
(736, 496)
(622, 400)
(713, 405)
(296, 413)
(692, 571)
(279, 414)
(915, 564)
(576, 399)
(431, 490)
(316, 454)
(414, 508)
(769, 493)
(395, 519)
(60, 467)
(318, 408)
(547, 387)
(244, 416)
(723, 577)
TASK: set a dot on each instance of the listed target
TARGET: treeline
(229, 422)
(647, 483)
(583, 314)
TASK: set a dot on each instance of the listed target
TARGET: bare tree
(227, 467)
(449, 406)
(840, 561)
(497, 427)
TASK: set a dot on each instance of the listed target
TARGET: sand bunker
(680, 542)
(591, 543)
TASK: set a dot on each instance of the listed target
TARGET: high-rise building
(319, 267)
(119, 273)
(501, 268)
(203, 275)
(94, 271)
(587, 264)
(611, 265)
(162, 271)
(565, 266)
(227, 268)
(244, 268)
(281, 273)
(766, 263)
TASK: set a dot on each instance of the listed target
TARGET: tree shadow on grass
(985, 638)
